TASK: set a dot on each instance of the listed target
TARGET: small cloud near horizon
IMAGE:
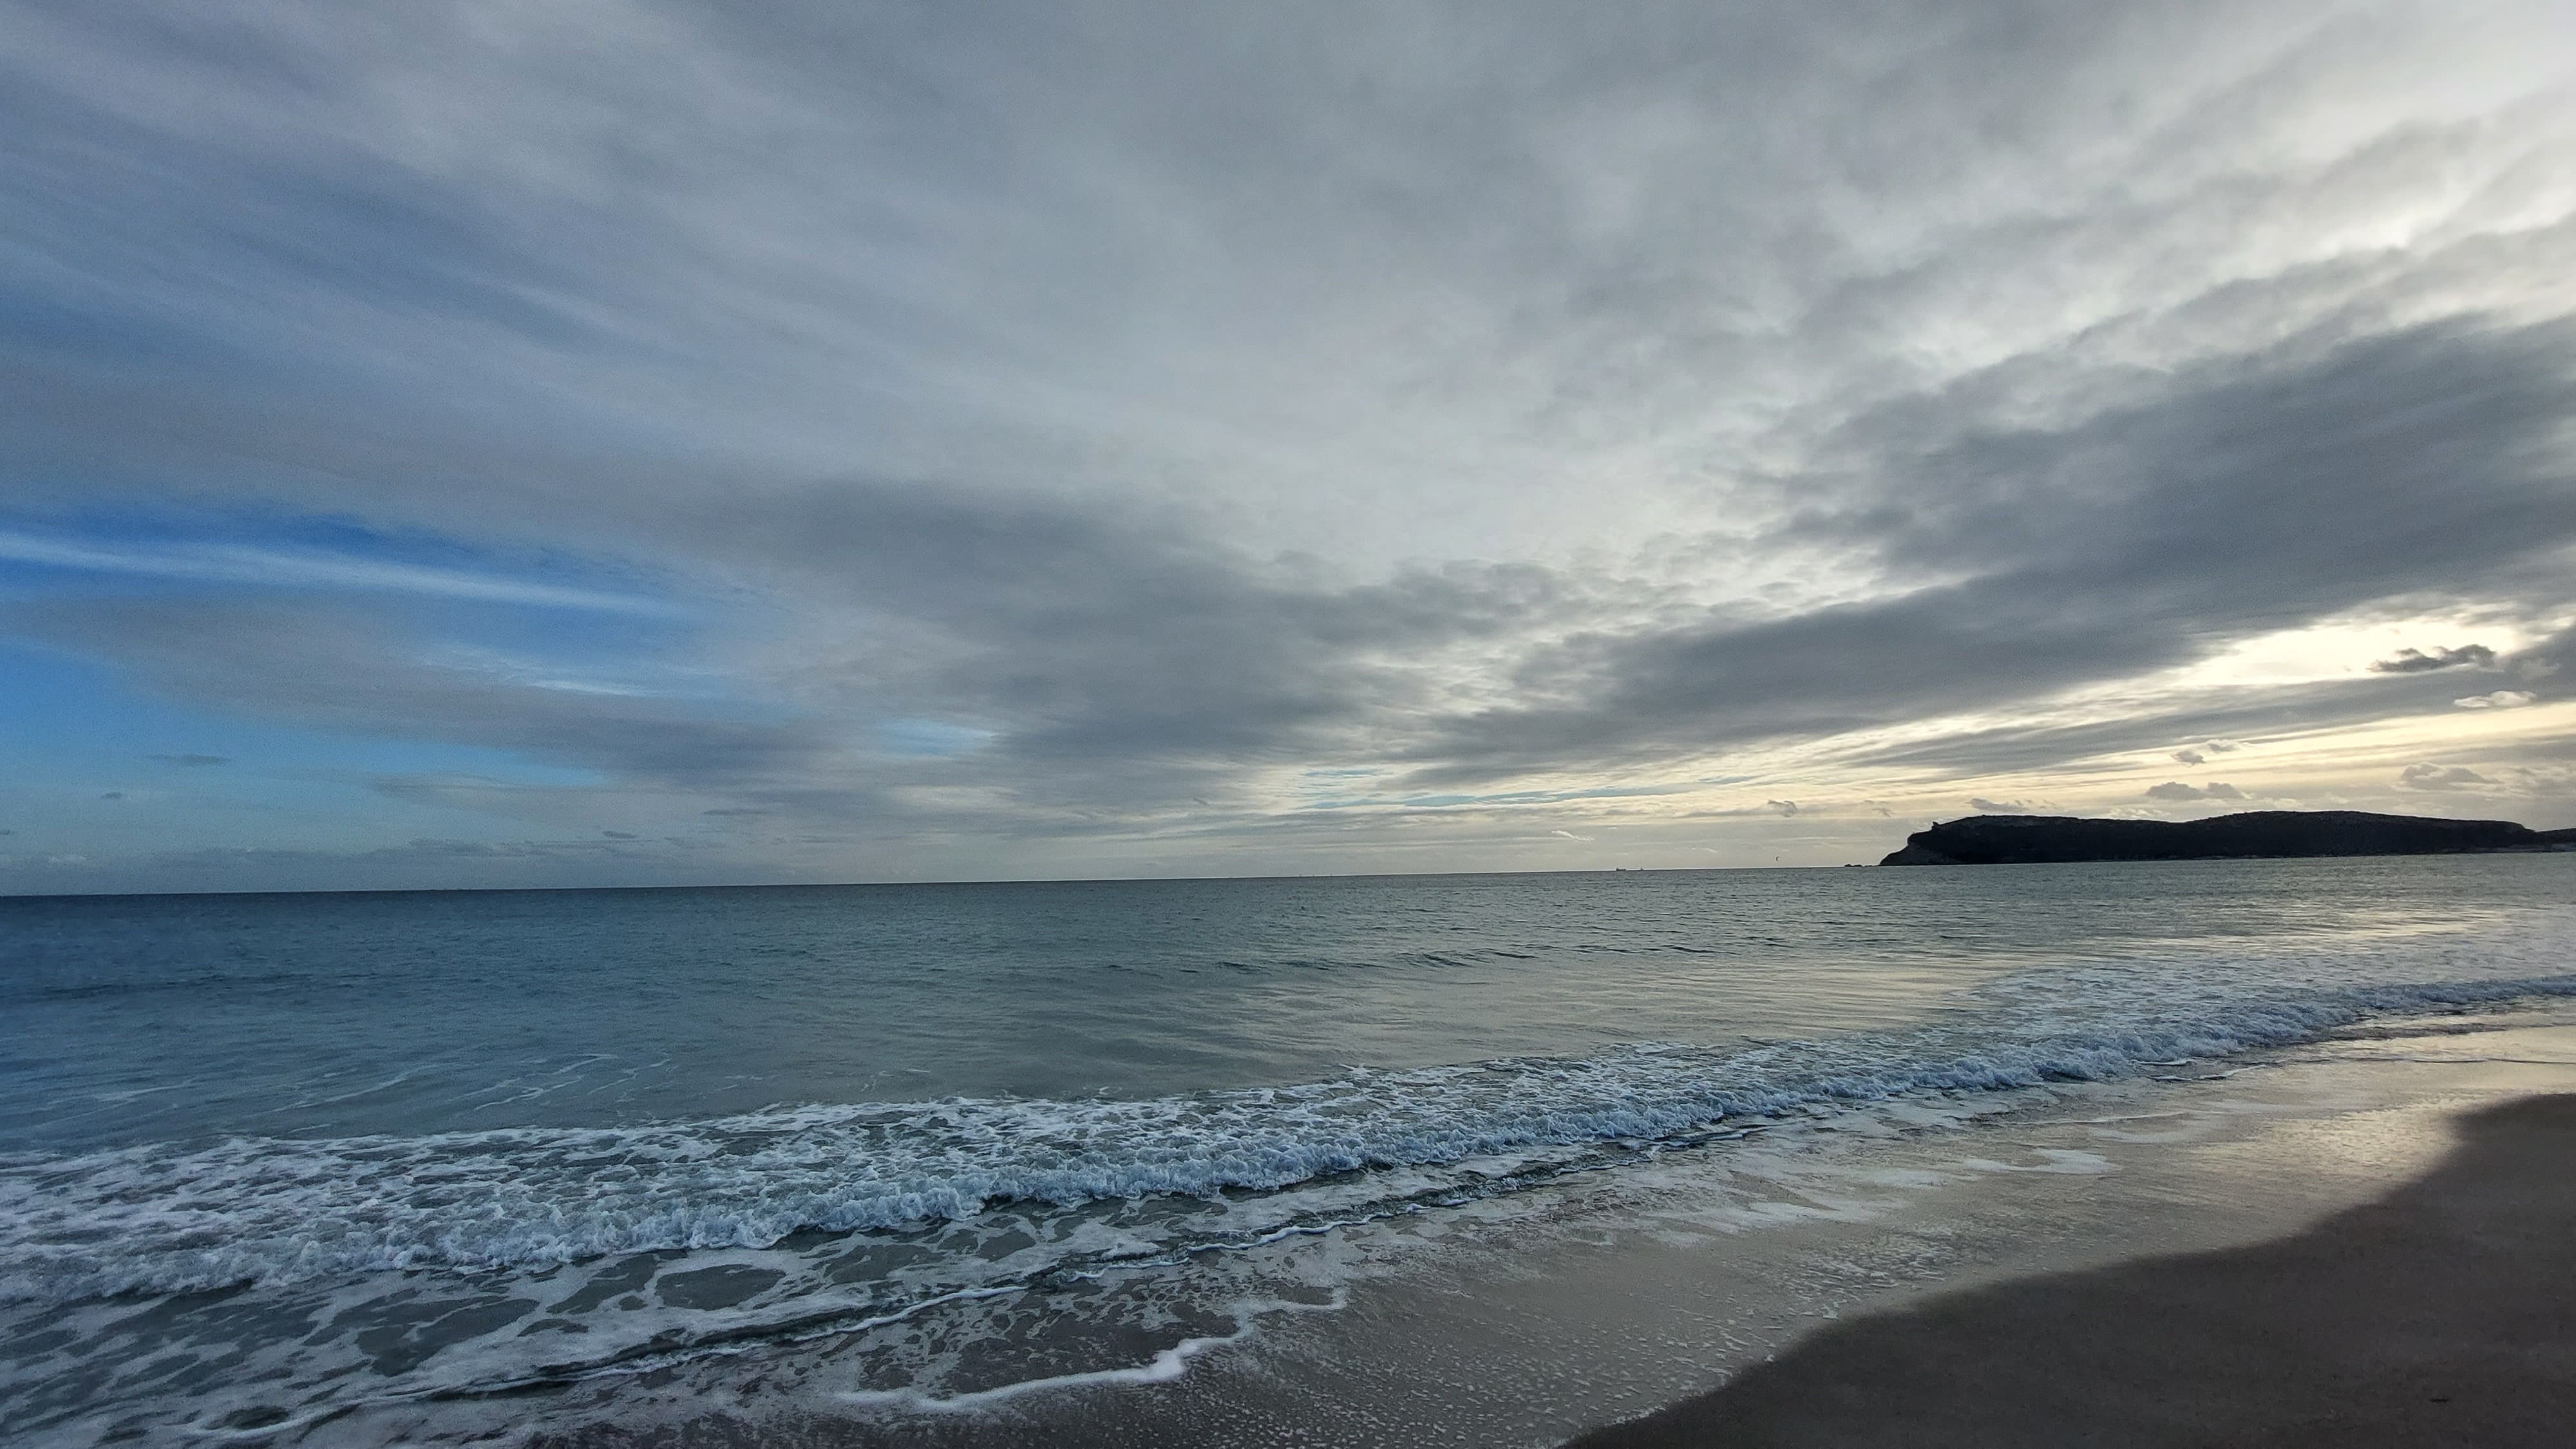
(2177, 790)
(2501, 699)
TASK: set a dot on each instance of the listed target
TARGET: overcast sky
(605, 442)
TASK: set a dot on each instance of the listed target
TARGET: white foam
(253, 1210)
(1163, 1367)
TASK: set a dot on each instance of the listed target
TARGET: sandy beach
(2361, 1242)
(2442, 1313)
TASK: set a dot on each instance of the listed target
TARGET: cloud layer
(673, 441)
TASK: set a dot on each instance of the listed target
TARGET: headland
(2252, 835)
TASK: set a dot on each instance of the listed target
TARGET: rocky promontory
(2253, 835)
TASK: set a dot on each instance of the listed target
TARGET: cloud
(409, 865)
(2548, 779)
(1037, 430)
(113, 795)
(345, 668)
(2501, 699)
(199, 762)
(2001, 807)
(307, 569)
(2240, 493)
(2177, 790)
(2438, 777)
(1781, 807)
(2416, 661)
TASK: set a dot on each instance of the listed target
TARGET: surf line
(1163, 1367)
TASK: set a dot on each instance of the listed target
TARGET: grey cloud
(2439, 777)
(2413, 661)
(2190, 757)
(2543, 779)
(1104, 633)
(2045, 742)
(1123, 656)
(1514, 230)
(2248, 494)
(1110, 309)
(2545, 658)
(2000, 807)
(415, 864)
(195, 761)
(2500, 699)
(2177, 790)
(1115, 654)
(340, 668)
(1781, 808)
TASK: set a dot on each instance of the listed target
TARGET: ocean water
(269, 1164)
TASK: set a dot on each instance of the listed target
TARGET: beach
(2443, 1312)
(2312, 1250)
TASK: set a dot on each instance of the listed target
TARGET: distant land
(2255, 834)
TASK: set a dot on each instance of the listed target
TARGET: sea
(333, 1167)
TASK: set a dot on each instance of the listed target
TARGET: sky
(472, 443)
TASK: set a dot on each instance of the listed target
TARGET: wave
(161, 1219)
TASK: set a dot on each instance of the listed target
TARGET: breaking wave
(161, 1218)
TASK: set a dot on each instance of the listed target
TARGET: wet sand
(2443, 1313)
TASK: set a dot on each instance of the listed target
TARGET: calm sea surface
(266, 1158)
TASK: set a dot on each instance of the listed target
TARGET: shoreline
(1592, 1302)
(2438, 1313)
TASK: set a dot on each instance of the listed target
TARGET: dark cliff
(2032, 839)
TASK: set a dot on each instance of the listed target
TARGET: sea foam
(248, 1210)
